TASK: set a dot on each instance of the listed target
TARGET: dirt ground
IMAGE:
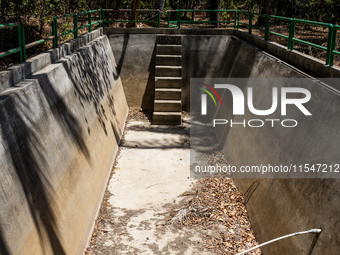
(151, 206)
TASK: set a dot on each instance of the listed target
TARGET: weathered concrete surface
(205, 52)
(135, 55)
(280, 206)
(135, 52)
(167, 31)
(59, 132)
(152, 174)
(308, 64)
(14, 74)
(276, 207)
(203, 56)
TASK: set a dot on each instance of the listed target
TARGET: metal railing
(75, 29)
(330, 48)
(334, 52)
(178, 20)
(137, 11)
(19, 48)
(330, 52)
(172, 23)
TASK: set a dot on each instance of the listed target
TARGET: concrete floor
(152, 173)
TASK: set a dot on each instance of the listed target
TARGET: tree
(265, 10)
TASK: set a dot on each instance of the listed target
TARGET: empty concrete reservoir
(63, 113)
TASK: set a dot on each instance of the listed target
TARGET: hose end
(315, 231)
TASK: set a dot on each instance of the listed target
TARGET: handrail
(17, 49)
(170, 22)
(330, 52)
(158, 21)
(179, 21)
(75, 29)
(334, 52)
(331, 49)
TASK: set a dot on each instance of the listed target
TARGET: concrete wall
(205, 52)
(276, 206)
(281, 206)
(59, 132)
(135, 55)
(304, 62)
(134, 50)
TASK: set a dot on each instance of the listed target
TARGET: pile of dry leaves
(139, 115)
(218, 204)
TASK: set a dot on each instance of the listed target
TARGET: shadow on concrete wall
(92, 79)
(3, 245)
(164, 143)
(27, 158)
(149, 93)
(92, 82)
(122, 56)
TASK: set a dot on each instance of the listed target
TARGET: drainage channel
(150, 203)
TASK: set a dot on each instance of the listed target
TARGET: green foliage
(24, 10)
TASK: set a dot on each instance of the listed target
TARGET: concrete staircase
(168, 81)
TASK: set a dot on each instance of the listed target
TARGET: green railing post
(100, 18)
(291, 34)
(168, 17)
(55, 22)
(329, 44)
(178, 19)
(103, 18)
(90, 21)
(235, 25)
(53, 33)
(159, 18)
(266, 31)
(75, 25)
(19, 43)
(250, 22)
(238, 20)
(23, 44)
(333, 45)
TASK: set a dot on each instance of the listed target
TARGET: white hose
(311, 231)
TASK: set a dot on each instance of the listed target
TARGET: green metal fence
(330, 49)
(19, 48)
(172, 23)
(178, 21)
(334, 51)
(157, 16)
(76, 28)
(291, 38)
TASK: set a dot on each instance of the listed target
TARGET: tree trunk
(137, 7)
(219, 14)
(213, 5)
(161, 4)
(133, 13)
(173, 6)
(265, 10)
(281, 8)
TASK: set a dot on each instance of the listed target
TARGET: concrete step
(168, 60)
(167, 118)
(168, 71)
(168, 82)
(167, 106)
(169, 39)
(167, 93)
(169, 49)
